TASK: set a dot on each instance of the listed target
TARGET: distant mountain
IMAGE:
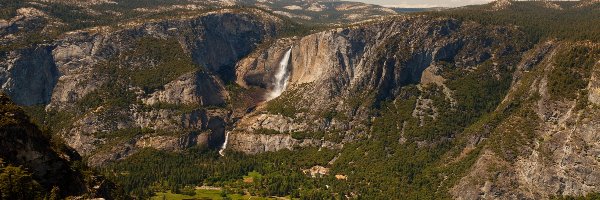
(409, 10)
(331, 11)
(319, 12)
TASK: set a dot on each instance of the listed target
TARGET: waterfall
(224, 146)
(281, 77)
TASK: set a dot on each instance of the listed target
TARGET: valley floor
(206, 194)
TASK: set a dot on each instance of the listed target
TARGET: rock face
(29, 75)
(259, 143)
(501, 4)
(594, 87)
(194, 88)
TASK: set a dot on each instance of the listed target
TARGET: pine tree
(55, 193)
(16, 183)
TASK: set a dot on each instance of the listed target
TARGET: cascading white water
(281, 77)
(224, 146)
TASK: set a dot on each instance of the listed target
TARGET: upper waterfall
(281, 77)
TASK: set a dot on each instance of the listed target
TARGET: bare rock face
(585, 3)
(278, 123)
(594, 86)
(80, 136)
(29, 75)
(259, 67)
(222, 47)
(194, 88)
(259, 143)
(169, 143)
(75, 56)
(568, 150)
(168, 130)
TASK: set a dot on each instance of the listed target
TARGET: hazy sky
(425, 3)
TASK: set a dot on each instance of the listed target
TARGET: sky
(424, 3)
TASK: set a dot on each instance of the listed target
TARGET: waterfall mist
(281, 77)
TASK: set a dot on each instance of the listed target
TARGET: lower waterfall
(224, 146)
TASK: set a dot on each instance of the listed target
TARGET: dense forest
(539, 22)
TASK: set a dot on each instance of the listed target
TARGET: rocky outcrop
(198, 88)
(168, 142)
(211, 123)
(594, 86)
(567, 151)
(501, 4)
(171, 143)
(259, 143)
(277, 123)
(75, 57)
(229, 38)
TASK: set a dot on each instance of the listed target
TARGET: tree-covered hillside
(572, 20)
